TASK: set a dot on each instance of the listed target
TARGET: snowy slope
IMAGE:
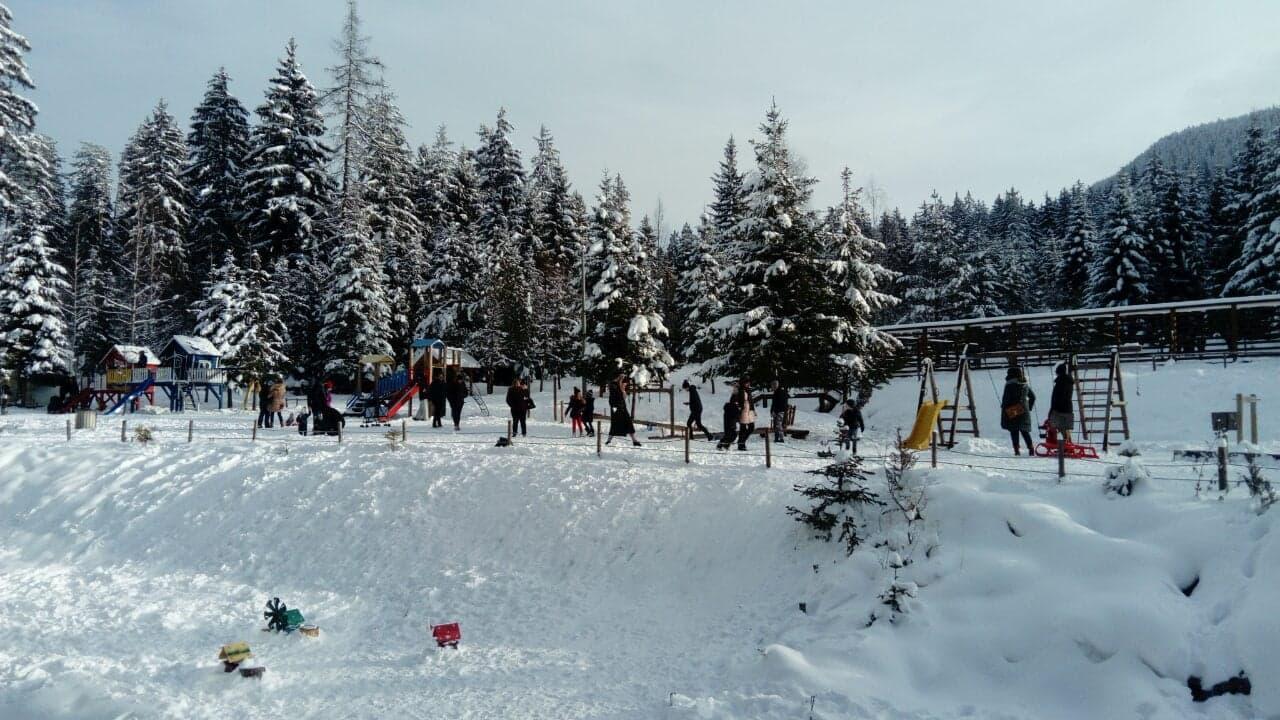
(632, 586)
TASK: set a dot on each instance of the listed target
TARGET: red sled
(447, 634)
(1072, 451)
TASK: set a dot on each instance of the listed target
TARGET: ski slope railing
(1220, 329)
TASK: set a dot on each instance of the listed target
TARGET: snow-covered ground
(628, 586)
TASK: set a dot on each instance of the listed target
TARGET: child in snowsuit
(589, 413)
(851, 426)
(732, 409)
(576, 405)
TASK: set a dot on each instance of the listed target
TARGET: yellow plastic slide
(926, 420)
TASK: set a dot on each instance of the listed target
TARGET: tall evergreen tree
(286, 188)
(356, 315)
(351, 100)
(89, 232)
(727, 211)
(393, 219)
(153, 223)
(1121, 271)
(624, 335)
(218, 143)
(434, 176)
(1222, 231)
(896, 255)
(1257, 270)
(17, 114)
(556, 236)
(1079, 244)
(32, 286)
(699, 296)
(458, 260)
(936, 286)
(1243, 181)
(220, 311)
(1175, 261)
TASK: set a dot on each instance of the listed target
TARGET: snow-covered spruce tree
(260, 348)
(896, 255)
(556, 236)
(458, 261)
(647, 238)
(32, 287)
(1014, 242)
(286, 188)
(433, 178)
(624, 335)
(393, 219)
(777, 326)
(350, 100)
(45, 198)
(727, 210)
(506, 339)
(1078, 246)
(17, 113)
(936, 284)
(1221, 235)
(217, 143)
(1257, 270)
(302, 280)
(678, 260)
(980, 287)
(95, 303)
(89, 227)
(221, 309)
(356, 316)
(1121, 271)
(1240, 183)
(840, 500)
(863, 355)
(152, 225)
(1175, 262)
(699, 296)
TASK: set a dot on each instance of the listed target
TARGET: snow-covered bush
(1122, 479)
(395, 439)
(838, 498)
(142, 434)
(1259, 486)
(895, 598)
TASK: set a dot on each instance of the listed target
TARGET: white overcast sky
(950, 96)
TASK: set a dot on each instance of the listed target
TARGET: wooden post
(1062, 456)
(404, 431)
(671, 396)
(933, 449)
(191, 427)
(768, 449)
(1239, 418)
(68, 429)
(599, 431)
(1253, 419)
(1222, 464)
(1173, 332)
(555, 402)
(254, 437)
(686, 446)
(508, 431)
(123, 424)
(339, 433)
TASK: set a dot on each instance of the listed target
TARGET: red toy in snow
(1049, 448)
(447, 634)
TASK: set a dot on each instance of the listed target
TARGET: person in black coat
(438, 395)
(264, 405)
(732, 410)
(779, 400)
(456, 393)
(695, 410)
(1061, 414)
(316, 402)
(589, 412)
(620, 424)
(851, 426)
(519, 401)
(1016, 405)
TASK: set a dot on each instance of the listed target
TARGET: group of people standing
(271, 402)
(1018, 402)
(442, 393)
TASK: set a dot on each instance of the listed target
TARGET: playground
(624, 584)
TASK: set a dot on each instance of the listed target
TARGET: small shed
(185, 353)
(120, 362)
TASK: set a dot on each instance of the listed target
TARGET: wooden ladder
(1101, 400)
(960, 418)
(929, 387)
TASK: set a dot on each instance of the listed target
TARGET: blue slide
(132, 395)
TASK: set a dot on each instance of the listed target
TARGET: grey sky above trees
(917, 95)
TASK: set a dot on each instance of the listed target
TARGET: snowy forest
(306, 232)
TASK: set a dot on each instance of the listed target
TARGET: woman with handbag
(1016, 406)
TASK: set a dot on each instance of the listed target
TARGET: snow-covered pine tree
(556, 236)
(433, 178)
(1257, 270)
(1174, 256)
(980, 288)
(699, 295)
(286, 188)
(1221, 234)
(302, 280)
(17, 114)
(727, 210)
(259, 350)
(351, 99)
(863, 355)
(1121, 271)
(217, 143)
(221, 310)
(393, 219)
(459, 260)
(1014, 244)
(624, 336)
(89, 230)
(647, 238)
(897, 255)
(356, 315)
(32, 288)
(42, 181)
(1079, 243)
(936, 285)
(152, 225)
(1241, 183)
(677, 260)
(94, 303)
